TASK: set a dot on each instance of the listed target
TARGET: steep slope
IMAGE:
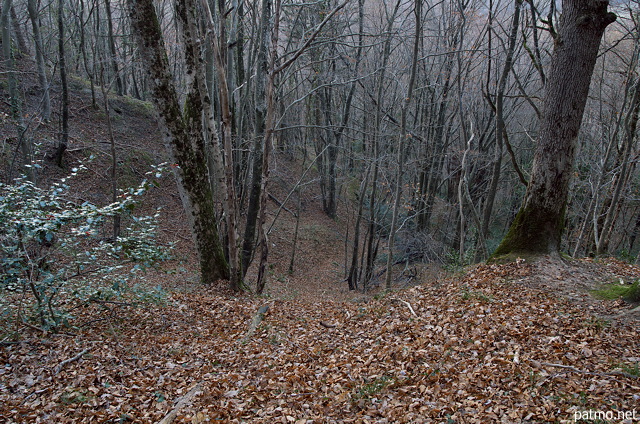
(483, 347)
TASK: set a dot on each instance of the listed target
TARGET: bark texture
(183, 131)
(538, 226)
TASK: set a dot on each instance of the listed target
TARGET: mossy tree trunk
(538, 226)
(183, 129)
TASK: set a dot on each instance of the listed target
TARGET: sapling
(54, 256)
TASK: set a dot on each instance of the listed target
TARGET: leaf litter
(485, 346)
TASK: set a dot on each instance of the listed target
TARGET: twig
(408, 306)
(182, 402)
(280, 204)
(33, 327)
(10, 343)
(327, 325)
(68, 361)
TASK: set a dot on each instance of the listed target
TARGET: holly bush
(56, 254)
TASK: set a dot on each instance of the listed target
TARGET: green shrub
(55, 257)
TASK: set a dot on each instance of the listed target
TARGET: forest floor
(513, 343)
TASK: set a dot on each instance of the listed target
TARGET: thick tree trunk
(538, 226)
(14, 94)
(183, 131)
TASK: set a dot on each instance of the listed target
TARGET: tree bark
(120, 88)
(253, 208)
(403, 136)
(538, 226)
(228, 184)
(39, 53)
(64, 136)
(14, 94)
(182, 130)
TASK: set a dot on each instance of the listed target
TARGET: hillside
(522, 342)
(481, 347)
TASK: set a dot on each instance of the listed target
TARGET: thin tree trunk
(273, 71)
(64, 136)
(372, 244)
(267, 147)
(260, 111)
(501, 130)
(85, 60)
(22, 45)
(295, 232)
(229, 185)
(631, 124)
(403, 136)
(352, 278)
(120, 87)
(39, 54)
(114, 161)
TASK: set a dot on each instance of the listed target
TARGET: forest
(319, 211)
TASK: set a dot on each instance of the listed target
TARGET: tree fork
(183, 132)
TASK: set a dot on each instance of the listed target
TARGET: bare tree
(183, 128)
(63, 141)
(538, 226)
(40, 64)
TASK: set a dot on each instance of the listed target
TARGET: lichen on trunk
(184, 134)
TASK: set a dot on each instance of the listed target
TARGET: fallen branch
(408, 306)
(327, 325)
(281, 205)
(257, 319)
(70, 360)
(182, 402)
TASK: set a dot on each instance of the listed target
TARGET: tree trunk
(630, 126)
(42, 70)
(403, 136)
(114, 158)
(14, 94)
(64, 136)
(227, 184)
(22, 44)
(501, 130)
(538, 226)
(266, 151)
(83, 49)
(253, 208)
(183, 131)
(120, 88)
